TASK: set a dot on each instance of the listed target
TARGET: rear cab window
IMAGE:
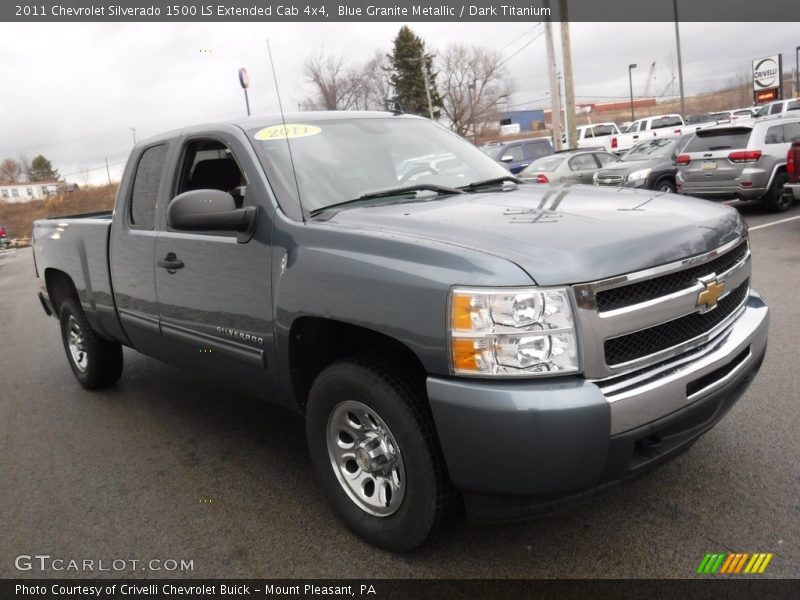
(146, 184)
(669, 121)
(709, 140)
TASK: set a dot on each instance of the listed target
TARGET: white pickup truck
(597, 135)
(657, 126)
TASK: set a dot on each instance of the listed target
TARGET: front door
(214, 296)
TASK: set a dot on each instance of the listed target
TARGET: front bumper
(517, 448)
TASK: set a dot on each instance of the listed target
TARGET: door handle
(170, 262)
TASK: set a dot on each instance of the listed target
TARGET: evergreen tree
(410, 65)
(42, 170)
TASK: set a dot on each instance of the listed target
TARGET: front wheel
(665, 186)
(95, 362)
(374, 448)
(775, 199)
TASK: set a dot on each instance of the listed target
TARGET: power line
(536, 37)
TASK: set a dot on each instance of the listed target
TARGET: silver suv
(746, 160)
(779, 107)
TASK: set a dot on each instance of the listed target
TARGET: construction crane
(667, 87)
(649, 79)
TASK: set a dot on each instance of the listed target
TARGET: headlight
(512, 332)
(639, 175)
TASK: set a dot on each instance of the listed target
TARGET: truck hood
(563, 234)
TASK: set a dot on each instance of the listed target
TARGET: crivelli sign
(767, 73)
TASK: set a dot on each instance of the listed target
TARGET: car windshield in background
(546, 163)
(657, 148)
(339, 160)
(707, 140)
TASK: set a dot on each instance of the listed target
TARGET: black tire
(665, 186)
(428, 498)
(100, 362)
(775, 199)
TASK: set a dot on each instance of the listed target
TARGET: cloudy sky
(74, 91)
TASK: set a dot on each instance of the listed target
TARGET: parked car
(492, 346)
(649, 127)
(518, 154)
(594, 136)
(791, 188)
(573, 166)
(4, 241)
(650, 165)
(778, 107)
(745, 160)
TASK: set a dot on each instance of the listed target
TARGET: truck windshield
(343, 159)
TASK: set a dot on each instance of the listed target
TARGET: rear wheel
(775, 199)
(374, 448)
(95, 362)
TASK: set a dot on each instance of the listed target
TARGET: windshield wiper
(475, 185)
(441, 190)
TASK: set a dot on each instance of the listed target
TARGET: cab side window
(208, 164)
(145, 187)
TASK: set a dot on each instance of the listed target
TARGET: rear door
(581, 168)
(216, 309)
(132, 246)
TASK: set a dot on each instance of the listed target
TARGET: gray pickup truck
(451, 337)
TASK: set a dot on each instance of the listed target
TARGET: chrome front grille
(641, 319)
(609, 180)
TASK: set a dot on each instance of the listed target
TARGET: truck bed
(78, 246)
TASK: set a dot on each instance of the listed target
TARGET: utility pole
(569, 86)
(631, 67)
(133, 131)
(471, 88)
(108, 172)
(427, 86)
(555, 90)
(680, 63)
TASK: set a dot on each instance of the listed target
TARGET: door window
(515, 152)
(582, 162)
(145, 187)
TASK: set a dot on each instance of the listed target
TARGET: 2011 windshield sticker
(285, 132)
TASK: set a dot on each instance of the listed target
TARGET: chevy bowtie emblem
(707, 298)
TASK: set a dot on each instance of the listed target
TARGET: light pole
(680, 62)
(630, 83)
(133, 131)
(471, 88)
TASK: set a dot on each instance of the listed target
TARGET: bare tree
(11, 171)
(337, 85)
(473, 81)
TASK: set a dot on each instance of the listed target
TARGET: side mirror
(507, 158)
(211, 210)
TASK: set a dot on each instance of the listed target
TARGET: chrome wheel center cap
(362, 458)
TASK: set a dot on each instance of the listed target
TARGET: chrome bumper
(642, 397)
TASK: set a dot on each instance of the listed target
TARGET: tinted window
(515, 152)
(582, 162)
(774, 135)
(600, 130)
(744, 113)
(791, 132)
(666, 122)
(707, 140)
(764, 110)
(776, 108)
(793, 105)
(537, 150)
(145, 187)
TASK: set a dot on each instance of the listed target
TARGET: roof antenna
(286, 132)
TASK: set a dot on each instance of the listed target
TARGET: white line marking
(774, 223)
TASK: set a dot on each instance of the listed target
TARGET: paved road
(165, 466)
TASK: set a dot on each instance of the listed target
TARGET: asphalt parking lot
(165, 466)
